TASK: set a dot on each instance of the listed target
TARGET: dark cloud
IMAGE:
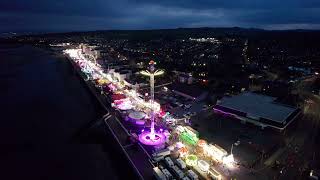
(148, 14)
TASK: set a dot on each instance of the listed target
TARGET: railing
(123, 150)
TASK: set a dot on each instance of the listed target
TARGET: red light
(152, 62)
(161, 113)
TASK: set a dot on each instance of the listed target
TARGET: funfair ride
(152, 137)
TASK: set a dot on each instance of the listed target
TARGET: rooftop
(258, 106)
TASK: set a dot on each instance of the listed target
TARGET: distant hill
(183, 33)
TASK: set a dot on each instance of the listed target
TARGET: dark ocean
(44, 108)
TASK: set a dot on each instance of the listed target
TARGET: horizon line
(154, 29)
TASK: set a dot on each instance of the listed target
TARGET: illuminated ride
(137, 117)
(151, 137)
(102, 81)
(112, 87)
(157, 138)
(191, 160)
(180, 145)
(183, 151)
(118, 96)
(202, 143)
(189, 136)
(123, 104)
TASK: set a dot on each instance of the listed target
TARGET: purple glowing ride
(151, 137)
(157, 138)
(137, 117)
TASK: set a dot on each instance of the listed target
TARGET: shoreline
(116, 144)
(45, 104)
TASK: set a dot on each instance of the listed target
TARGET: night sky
(69, 15)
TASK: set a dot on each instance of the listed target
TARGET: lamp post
(152, 72)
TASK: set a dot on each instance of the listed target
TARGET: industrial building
(258, 109)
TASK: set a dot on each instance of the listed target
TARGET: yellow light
(158, 73)
(145, 73)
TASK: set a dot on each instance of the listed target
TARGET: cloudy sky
(68, 15)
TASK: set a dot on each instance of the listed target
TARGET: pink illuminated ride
(151, 137)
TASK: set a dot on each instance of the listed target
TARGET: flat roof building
(258, 109)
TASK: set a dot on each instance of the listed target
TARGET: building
(185, 78)
(258, 109)
(90, 51)
(120, 74)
